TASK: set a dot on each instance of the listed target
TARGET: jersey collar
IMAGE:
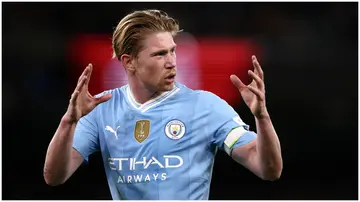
(152, 102)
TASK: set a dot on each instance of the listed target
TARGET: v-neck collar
(152, 102)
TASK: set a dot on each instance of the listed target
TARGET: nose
(170, 61)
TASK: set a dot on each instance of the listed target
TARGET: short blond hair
(133, 28)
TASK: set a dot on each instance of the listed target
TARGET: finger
(88, 93)
(257, 92)
(81, 84)
(103, 98)
(257, 67)
(74, 97)
(84, 73)
(77, 90)
(88, 74)
(237, 82)
(259, 82)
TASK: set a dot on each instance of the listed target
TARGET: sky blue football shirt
(163, 149)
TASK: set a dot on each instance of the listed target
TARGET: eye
(162, 53)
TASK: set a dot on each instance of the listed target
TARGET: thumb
(103, 98)
(237, 82)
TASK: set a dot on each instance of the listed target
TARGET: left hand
(254, 93)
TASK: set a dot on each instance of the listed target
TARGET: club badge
(175, 129)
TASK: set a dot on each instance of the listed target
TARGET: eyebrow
(162, 51)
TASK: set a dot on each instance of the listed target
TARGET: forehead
(161, 40)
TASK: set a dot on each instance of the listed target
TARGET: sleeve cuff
(238, 137)
(86, 159)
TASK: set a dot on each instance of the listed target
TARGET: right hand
(82, 102)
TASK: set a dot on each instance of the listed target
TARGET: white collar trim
(152, 102)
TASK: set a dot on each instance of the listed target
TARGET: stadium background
(308, 51)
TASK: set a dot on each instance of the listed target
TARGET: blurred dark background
(310, 59)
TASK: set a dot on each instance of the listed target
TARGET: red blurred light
(205, 63)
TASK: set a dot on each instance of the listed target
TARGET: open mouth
(171, 76)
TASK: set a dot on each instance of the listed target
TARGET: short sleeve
(86, 137)
(228, 129)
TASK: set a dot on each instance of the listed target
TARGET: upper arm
(76, 161)
(85, 141)
(227, 129)
(232, 135)
(246, 155)
(86, 136)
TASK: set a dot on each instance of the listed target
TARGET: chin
(168, 87)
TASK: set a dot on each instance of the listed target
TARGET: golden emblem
(142, 130)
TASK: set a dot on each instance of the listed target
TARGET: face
(155, 66)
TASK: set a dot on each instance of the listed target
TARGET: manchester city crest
(175, 129)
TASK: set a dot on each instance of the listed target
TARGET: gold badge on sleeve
(142, 130)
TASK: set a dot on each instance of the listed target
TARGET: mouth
(171, 77)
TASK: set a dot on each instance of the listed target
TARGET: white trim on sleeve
(232, 137)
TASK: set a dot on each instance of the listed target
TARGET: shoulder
(184, 90)
(205, 98)
(210, 98)
(116, 92)
(118, 95)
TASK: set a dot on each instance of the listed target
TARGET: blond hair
(133, 28)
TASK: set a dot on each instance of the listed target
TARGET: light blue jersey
(163, 149)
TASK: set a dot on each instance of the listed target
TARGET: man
(157, 137)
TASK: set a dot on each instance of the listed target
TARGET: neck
(140, 93)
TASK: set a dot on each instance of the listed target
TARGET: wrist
(263, 115)
(68, 120)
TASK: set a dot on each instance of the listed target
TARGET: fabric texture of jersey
(163, 149)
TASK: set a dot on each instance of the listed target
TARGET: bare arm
(262, 156)
(62, 159)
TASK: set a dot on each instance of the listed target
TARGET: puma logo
(112, 130)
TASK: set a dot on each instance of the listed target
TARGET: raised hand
(254, 93)
(82, 102)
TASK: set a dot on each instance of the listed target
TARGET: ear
(127, 62)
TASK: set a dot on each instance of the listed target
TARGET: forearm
(58, 156)
(268, 148)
